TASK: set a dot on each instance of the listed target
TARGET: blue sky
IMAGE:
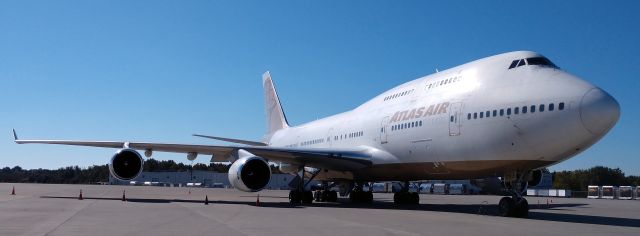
(162, 70)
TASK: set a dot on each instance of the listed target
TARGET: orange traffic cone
(124, 198)
(80, 196)
(206, 200)
(13, 190)
(258, 200)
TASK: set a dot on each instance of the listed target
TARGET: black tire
(522, 208)
(506, 206)
(415, 198)
(396, 198)
(333, 196)
(294, 197)
(307, 197)
(324, 196)
(407, 198)
(359, 197)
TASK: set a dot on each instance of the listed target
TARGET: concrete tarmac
(39, 209)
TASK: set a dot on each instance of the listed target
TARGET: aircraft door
(384, 130)
(330, 137)
(455, 116)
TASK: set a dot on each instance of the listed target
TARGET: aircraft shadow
(551, 213)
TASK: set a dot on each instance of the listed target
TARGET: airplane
(506, 116)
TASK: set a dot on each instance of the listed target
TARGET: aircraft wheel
(294, 197)
(354, 196)
(507, 206)
(406, 198)
(367, 197)
(522, 208)
(307, 197)
(415, 198)
(359, 197)
(333, 196)
(325, 196)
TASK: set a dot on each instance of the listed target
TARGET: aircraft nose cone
(598, 111)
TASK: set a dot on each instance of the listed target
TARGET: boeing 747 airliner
(504, 116)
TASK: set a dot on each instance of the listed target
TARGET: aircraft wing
(334, 159)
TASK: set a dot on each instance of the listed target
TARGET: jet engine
(126, 164)
(535, 178)
(250, 173)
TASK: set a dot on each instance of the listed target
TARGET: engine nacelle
(535, 178)
(249, 174)
(126, 164)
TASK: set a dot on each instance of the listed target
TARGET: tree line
(100, 173)
(578, 180)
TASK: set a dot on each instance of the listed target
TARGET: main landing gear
(358, 195)
(516, 205)
(301, 195)
(325, 195)
(297, 197)
(405, 197)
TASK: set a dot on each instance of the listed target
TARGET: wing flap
(232, 140)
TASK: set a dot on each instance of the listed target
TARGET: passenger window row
(515, 111)
(444, 82)
(397, 95)
(349, 135)
(311, 142)
(407, 125)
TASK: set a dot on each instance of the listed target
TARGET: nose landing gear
(516, 205)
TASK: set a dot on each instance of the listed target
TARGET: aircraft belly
(454, 170)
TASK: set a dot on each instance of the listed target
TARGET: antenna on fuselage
(437, 70)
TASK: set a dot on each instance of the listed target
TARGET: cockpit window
(537, 61)
(514, 63)
(541, 61)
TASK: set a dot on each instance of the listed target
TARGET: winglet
(15, 136)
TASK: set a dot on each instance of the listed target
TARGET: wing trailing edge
(231, 140)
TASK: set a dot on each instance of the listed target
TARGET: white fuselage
(462, 122)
